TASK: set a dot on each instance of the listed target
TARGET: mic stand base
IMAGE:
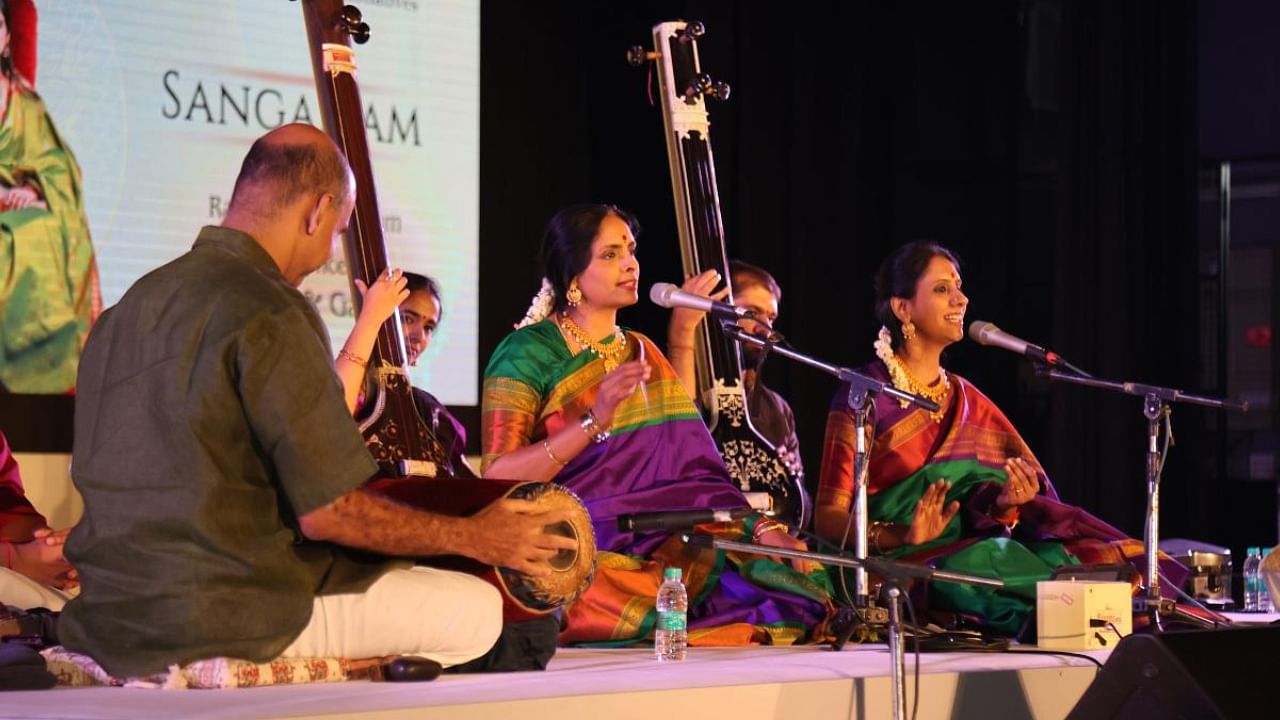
(861, 625)
(894, 573)
(1166, 609)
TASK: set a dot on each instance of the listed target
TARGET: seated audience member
(33, 572)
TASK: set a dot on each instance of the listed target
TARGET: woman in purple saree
(571, 398)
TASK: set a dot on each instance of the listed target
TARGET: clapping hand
(930, 518)
(779, 538)
(1021, 487)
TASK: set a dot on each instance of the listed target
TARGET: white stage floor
(799, 683)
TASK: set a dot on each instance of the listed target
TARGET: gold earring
(908, 330)
(573, 296)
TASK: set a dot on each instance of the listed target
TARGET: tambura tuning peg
(637, 56)
(352, 21)
(691, 31)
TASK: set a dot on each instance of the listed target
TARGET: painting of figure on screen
(49, 292)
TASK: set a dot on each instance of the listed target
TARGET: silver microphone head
(980, 331)
(660, 294)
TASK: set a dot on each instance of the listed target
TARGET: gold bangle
(876, 529)
(766, 526)
(546, 445)
(345, 354)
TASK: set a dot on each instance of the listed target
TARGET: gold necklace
(611, 354)
(906, 380)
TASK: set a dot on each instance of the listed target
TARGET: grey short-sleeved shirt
(208, 418)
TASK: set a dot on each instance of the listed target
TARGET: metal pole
(858, 401)
(897, 655)
(1153, 408)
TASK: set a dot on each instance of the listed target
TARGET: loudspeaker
(1194, 674)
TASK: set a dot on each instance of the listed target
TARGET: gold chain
(937, 393)
(611, 354)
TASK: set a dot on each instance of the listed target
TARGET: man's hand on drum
(618, 385)
(513, 534)
(1022, 486)
(931, 518)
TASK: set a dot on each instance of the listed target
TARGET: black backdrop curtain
(1051, 143)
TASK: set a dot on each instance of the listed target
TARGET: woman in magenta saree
(573, 399)
(957, 489)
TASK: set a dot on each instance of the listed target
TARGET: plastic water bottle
(1265, 602)
(1252, 580)
(671, 638)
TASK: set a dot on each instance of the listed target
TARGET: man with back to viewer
(221, 470)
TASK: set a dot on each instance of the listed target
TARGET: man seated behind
(756, 290)
(222, 473)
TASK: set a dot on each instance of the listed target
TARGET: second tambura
(523, 597)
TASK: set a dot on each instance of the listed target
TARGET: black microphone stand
(861, 389)
(895, 574)
(1156, 409)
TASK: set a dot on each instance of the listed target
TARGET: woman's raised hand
(685, 320)
(1022, 486)
(930, 518)
(617, 385)
(383, 297)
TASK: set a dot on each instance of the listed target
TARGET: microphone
(677, 520)
(985, 333)
(670, 296)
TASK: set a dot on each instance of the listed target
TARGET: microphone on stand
(678, 520)
(985, 333)
(670, 296)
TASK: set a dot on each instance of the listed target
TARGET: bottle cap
(671, 573)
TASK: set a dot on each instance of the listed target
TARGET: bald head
(287, 164)
(294, 196)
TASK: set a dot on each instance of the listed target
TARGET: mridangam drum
(523, 597)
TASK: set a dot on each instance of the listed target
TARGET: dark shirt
(772, 417)
(208, 419)
(447, 428)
